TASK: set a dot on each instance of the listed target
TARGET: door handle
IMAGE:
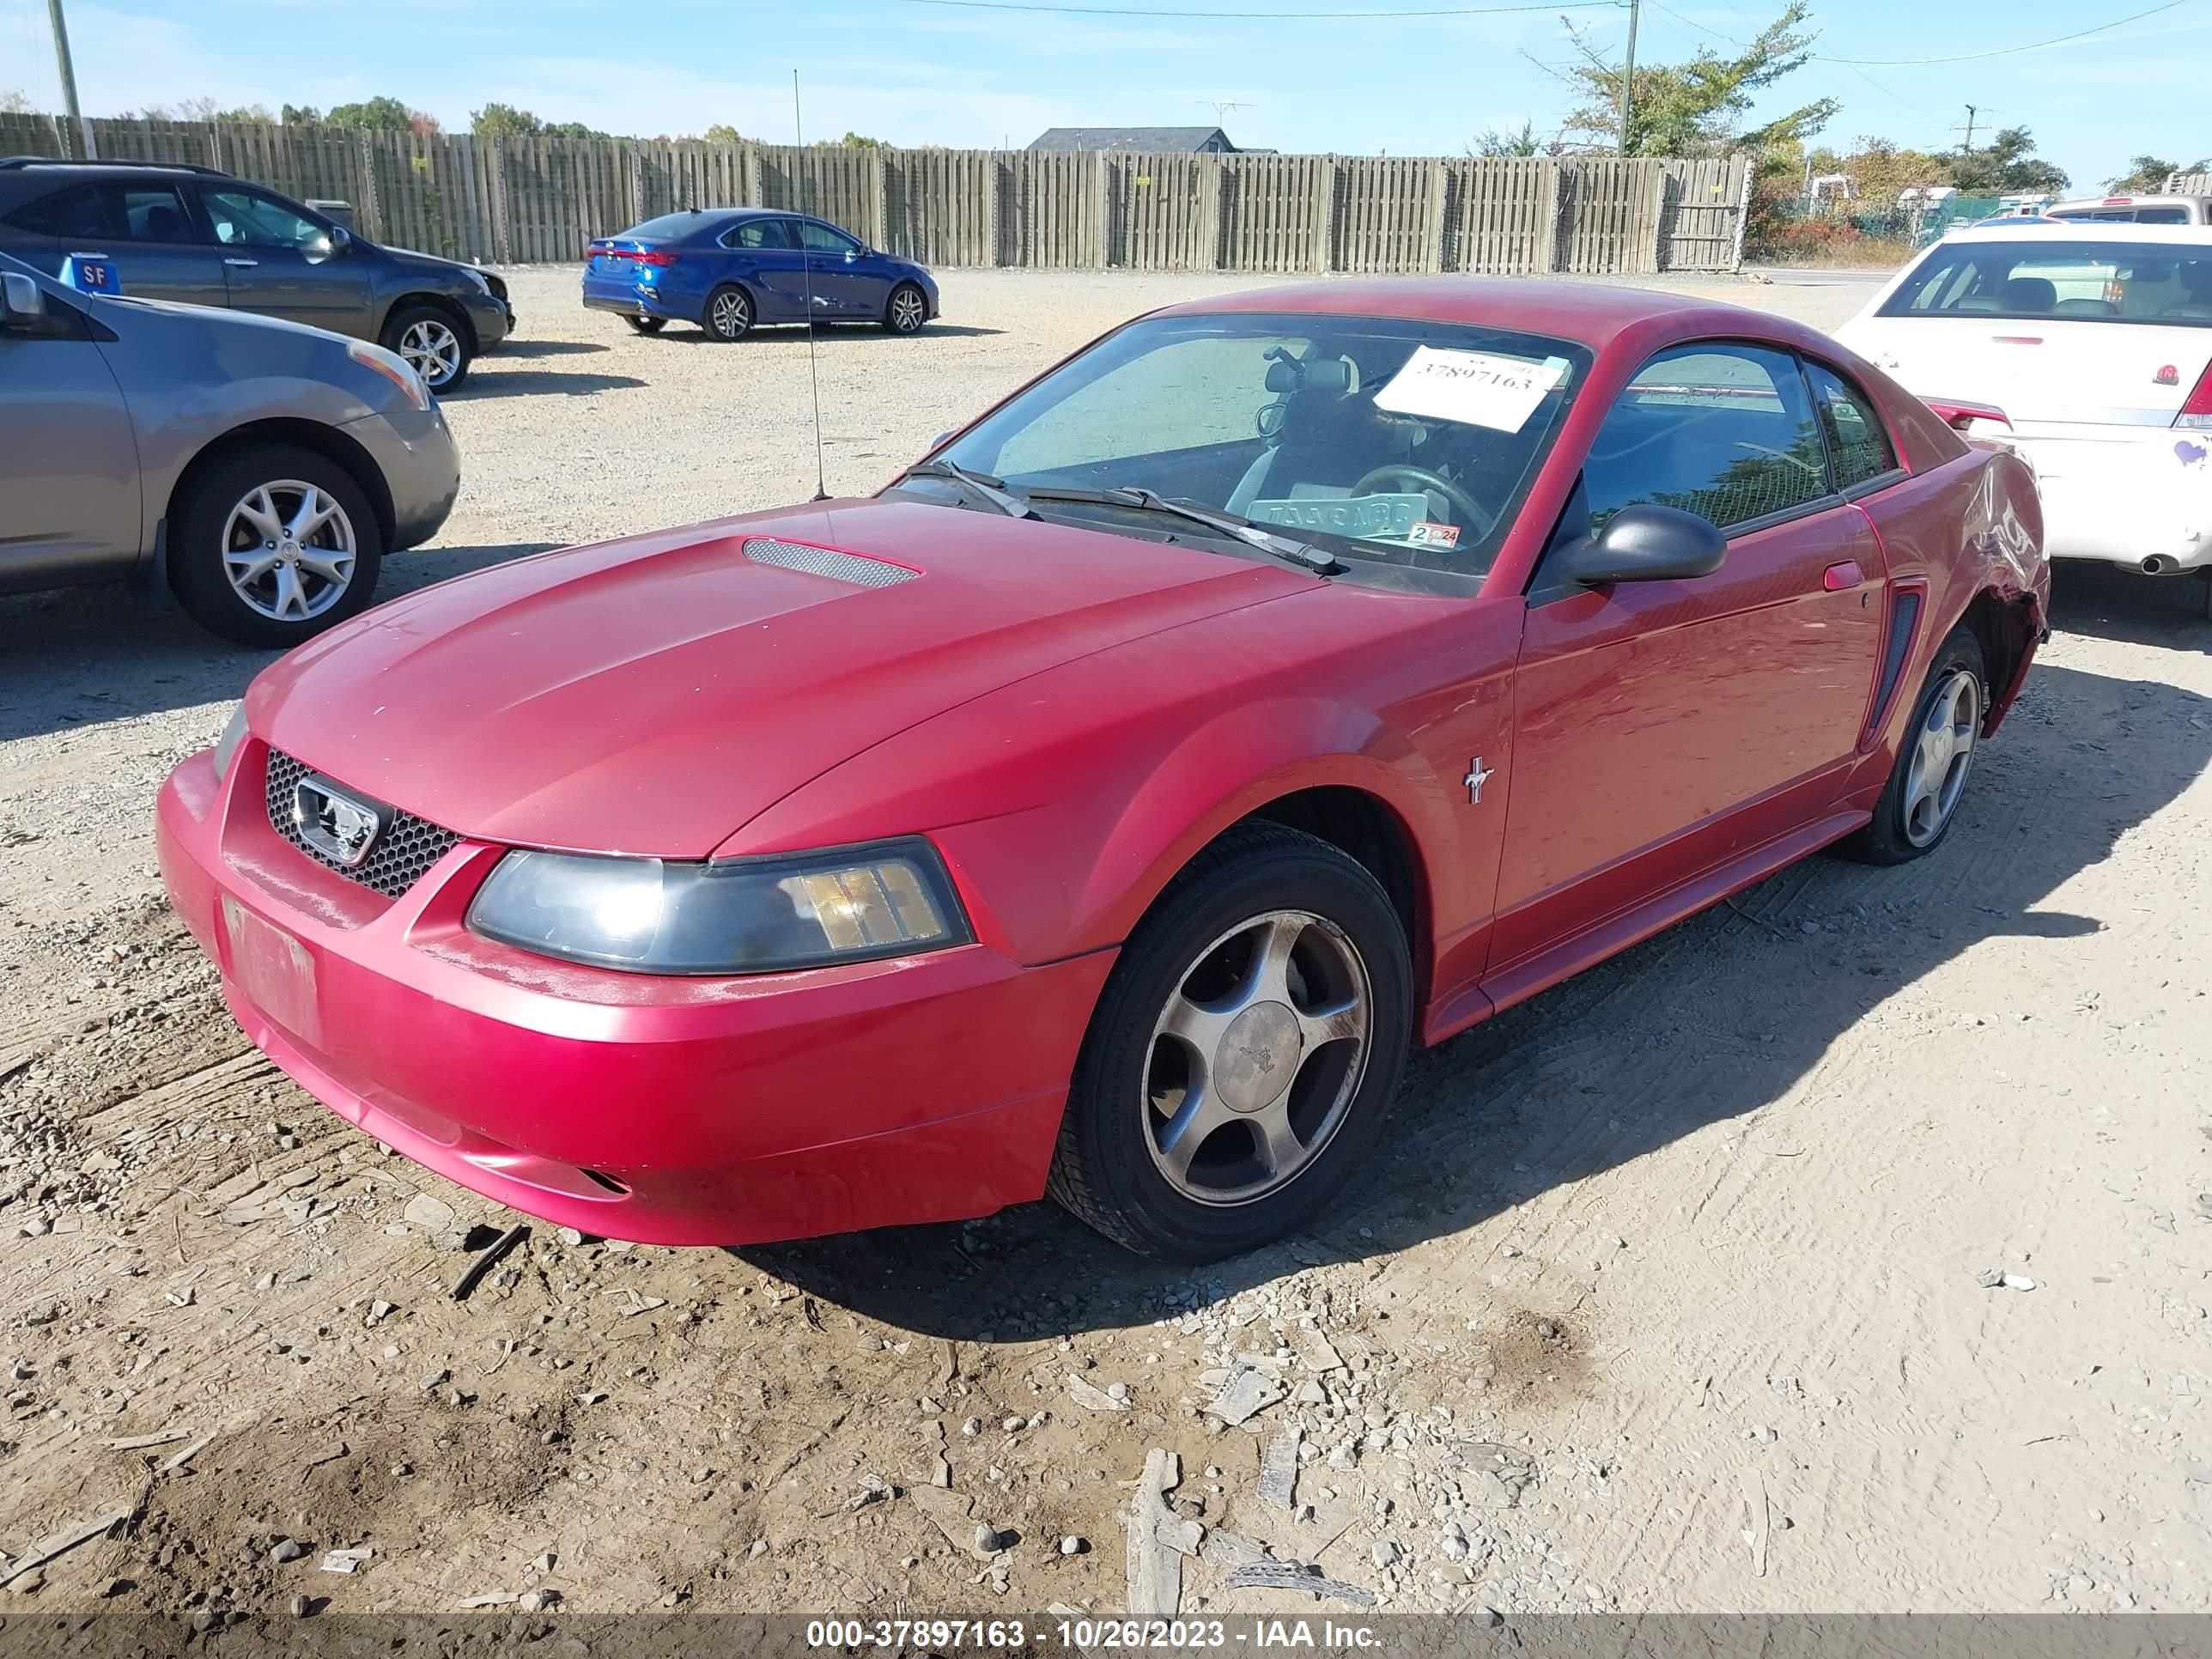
(241, 262)
(1837, 577)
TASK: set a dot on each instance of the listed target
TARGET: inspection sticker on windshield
(1472, 387)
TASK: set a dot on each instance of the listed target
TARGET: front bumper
(2131, 495)
(665, 1111)
(414, 449)
(492, 317)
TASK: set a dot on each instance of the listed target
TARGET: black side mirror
(22, 304)
(1646, 542)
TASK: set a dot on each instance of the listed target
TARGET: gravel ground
(1661, 1297)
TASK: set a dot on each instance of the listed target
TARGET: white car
(2136, 209)
(2088, 348)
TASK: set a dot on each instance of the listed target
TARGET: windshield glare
(1377, 439)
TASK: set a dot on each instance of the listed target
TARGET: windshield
(2169, 283)
(1375, 439)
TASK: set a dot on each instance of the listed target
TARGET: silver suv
(262, 468)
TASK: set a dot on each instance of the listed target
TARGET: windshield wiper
(981, 485)
(1303, 553)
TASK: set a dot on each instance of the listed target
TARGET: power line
(2005, 52)
(1267, 16)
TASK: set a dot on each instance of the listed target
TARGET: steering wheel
(1421, 478)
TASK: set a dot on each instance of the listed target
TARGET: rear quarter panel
(1966, 527)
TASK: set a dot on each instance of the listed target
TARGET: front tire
(1920, 801)
(272, 545)
(434, 345)
(907, 310)
(729, 313)
(1243, 1053)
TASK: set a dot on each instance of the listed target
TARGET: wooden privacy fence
(528, 200)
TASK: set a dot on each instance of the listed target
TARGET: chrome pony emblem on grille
(336, 825)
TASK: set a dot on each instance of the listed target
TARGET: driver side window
(245, 218)
(1720, 429)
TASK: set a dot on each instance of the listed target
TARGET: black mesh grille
(408, 847)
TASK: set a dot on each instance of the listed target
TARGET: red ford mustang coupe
(1106, 806)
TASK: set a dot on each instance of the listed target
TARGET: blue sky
(917, 72)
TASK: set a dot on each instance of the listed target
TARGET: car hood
(410, 259)
(652, 695)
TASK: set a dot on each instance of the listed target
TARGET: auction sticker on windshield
(1475, 388)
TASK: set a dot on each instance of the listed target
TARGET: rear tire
(1241, 1056)
(647, 324)
(728, 314)
(907, 310)
(236, 565)
(1919, 804)
(435, 345)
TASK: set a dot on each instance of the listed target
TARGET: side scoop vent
(827, 562)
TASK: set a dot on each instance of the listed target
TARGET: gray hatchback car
(262, 468)
(193, 233)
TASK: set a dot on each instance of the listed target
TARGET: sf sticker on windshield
(1427, 534)
(1472, 387)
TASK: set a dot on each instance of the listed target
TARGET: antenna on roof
(807, 268)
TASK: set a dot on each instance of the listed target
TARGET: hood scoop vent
(827, 562)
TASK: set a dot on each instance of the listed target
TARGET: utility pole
(1972, 110)
(1627, 71)
(69, 80)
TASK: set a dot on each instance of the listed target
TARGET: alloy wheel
(1943, 752)
(908, 311)
(433, 349)
(289, 550)
(730, 314)
(1256, 1057)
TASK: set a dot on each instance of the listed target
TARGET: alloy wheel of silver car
(289, 550)
(433, 349)
(909, 311)
(1944, 753)
(1256, 1058)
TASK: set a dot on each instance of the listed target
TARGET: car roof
(2094, 230)
(2157, 199)
(1591, 313)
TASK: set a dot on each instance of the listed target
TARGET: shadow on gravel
(521, 382)
(2109, 603)
(507, 350)
(828, 332)
(1709, 1022)
(86, 654)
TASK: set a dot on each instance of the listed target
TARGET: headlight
(730, 916)
(225, 746)
(394, 368)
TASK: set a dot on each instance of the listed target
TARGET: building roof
(1151, 140)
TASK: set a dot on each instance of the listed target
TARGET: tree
(302, 115)
(504, 121)
(1491, 145)
(2005, 166)
(2147, 175)
(573, 130)
(1693, 107)
(13, 102)
(374, 115)
(860, 141)
(723, 133)
(255, 113)
(1880, 171)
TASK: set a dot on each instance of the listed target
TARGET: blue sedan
(731, 268)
